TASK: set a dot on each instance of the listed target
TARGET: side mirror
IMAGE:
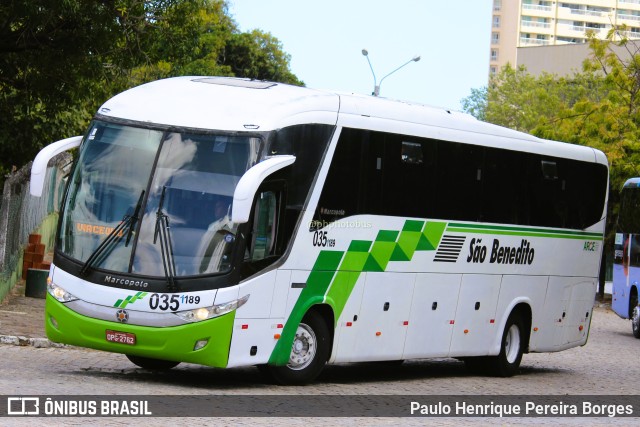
(39, 167)
(249, 183)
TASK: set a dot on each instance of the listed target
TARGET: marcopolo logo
(124, 281)
(500, 254)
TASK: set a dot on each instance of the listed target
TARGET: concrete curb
(32, 342)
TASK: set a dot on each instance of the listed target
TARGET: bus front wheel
(507, 363)
(635, 322)
(309, 353)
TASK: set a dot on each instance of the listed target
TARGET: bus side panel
(260, 290)
(433, 309)
(347, 326)
(384, 316)
(620, 289)
(626, 272)
(253, 341)
(578, 320)
(298, 283)
(567, 303)
(515, 289)
(280, 294)
(253, 331)
(475, 321)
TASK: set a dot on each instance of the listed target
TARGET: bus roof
(632, 183)
(236, 104)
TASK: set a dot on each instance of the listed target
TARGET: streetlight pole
(376, 86)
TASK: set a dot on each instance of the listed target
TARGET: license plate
(121, 337)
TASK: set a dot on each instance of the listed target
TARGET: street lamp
(376, 86)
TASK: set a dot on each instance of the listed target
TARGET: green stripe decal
(130, 299)
(335, 273)
(521, 231)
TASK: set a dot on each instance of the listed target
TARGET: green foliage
(260, 56)
(61, 59)
(476, 103)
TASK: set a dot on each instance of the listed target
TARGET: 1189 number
(166, 302)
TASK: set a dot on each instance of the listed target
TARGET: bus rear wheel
(507, 363)
(309, 353)
(635, 322)
(152, 364)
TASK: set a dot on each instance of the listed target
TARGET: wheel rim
(512, 344)
(635, 321)
(303, 350)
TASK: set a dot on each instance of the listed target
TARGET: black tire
(152, 364)
(635, 322)
(309, 353)
(633, 301)
(507, 363)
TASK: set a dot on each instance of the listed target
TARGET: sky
(325, 39)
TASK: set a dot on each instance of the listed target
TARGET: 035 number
(164, 302)
(320, 239)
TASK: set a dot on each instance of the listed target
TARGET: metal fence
(22, 214)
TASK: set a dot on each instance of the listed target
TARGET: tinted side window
(400, 177)
(397, 175)
(380, 174)
(458, 181)
(504, 195)
(308, 143)
(342, 189)
(565, 193)
(589, 188)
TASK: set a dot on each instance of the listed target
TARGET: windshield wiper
(166, 248)
(134, 219)
(110, 242)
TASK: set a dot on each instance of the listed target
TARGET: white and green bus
(232, 222)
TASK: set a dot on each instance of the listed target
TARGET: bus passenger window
(412, 153)
(549, 170)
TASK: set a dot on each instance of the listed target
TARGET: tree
(50, 53)
(260, 56)
(61, 59)
(521, 101)
(476, 103)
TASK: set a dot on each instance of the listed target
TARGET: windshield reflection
(198, 172)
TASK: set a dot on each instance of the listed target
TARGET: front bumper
(175, 343)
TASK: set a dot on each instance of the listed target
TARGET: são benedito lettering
(500, 254)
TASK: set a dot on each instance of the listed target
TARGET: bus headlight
(59, 293)
(204, 313)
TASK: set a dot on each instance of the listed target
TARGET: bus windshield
(628, 218)
(134, 174)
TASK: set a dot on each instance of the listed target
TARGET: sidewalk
(22, 320)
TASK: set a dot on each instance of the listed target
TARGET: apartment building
(521, 25)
